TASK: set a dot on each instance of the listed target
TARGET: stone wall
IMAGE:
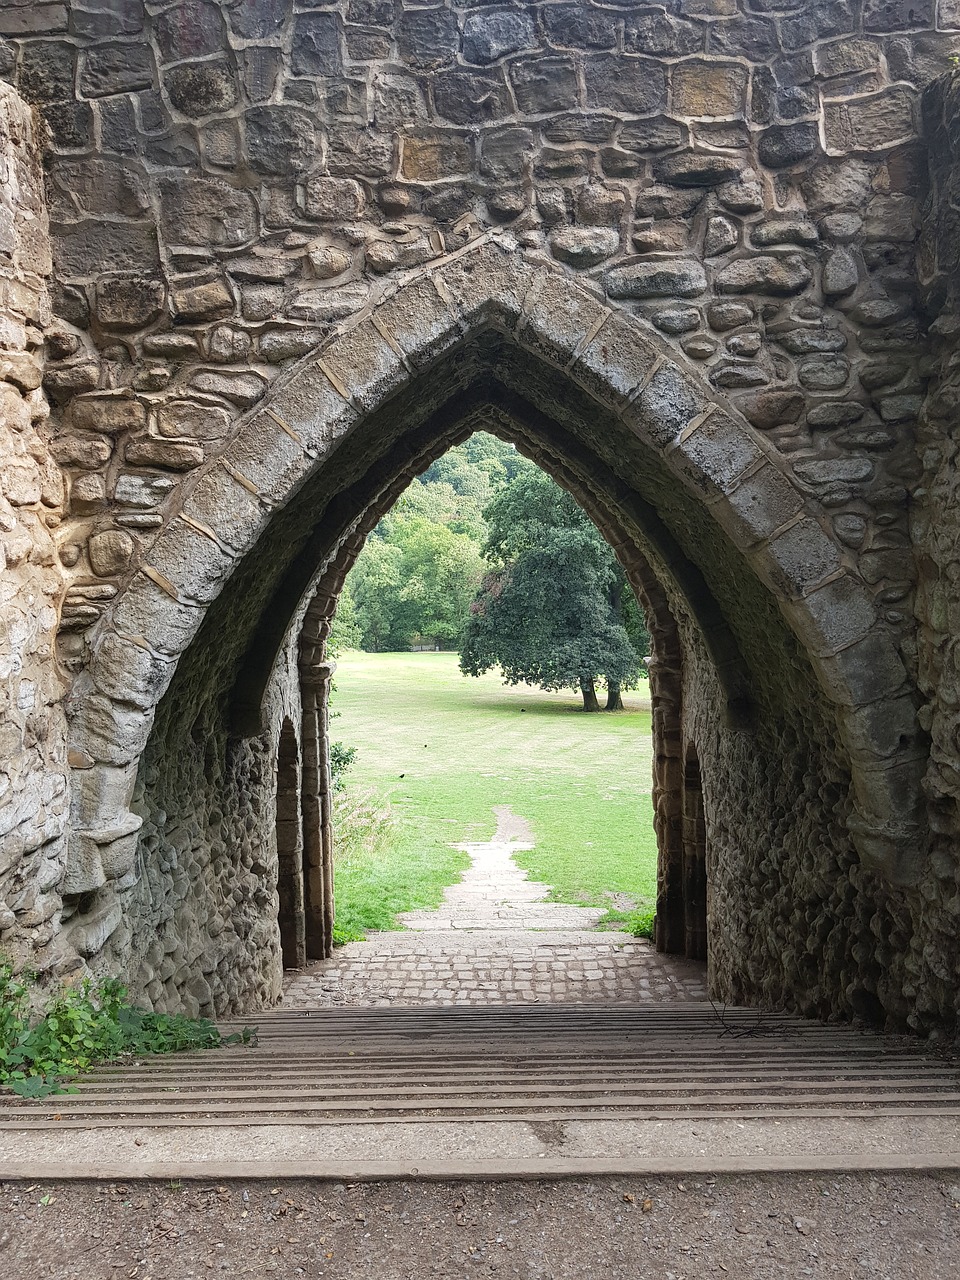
(668, 248)
(34, 799)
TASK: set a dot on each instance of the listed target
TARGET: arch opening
(694, 507)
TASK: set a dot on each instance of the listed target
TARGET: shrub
(85, 1024)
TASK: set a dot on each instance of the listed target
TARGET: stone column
(317, 811)
(665, 694)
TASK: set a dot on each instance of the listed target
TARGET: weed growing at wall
(83, 1025)
(640, 923)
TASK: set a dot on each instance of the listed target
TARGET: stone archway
(680, 481)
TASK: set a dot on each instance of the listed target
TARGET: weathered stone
(768, 409)
(872, 123)
(729, 315)
(799, 231)
(745, 344)
(209, 299)
(107, 412)
(696, 169)
(171, 455)
(240, 388)
(88, 493)
(315, 49)
(280, 140)
(87, 452)
(743, 196)
(128, 302)
(824, 373)
(132, 490)
(661, 237)
(430, 156)
(841, 274)
(189, 418)
(699, 346)
(721, 236)
(428, 38)
(739, 375)
(804, 341)
(664, 278)
(116, 68)
(114, 247)
(200, 89)
(659, 201)
(328, 262)
(778, 277)
(584, 246)
(287, 344)
(206, 211)
(110, 552)
(493, 33)
(676, 320)
(637, 86)
(787, 144)
(334, 199)
(701, 88)
(659, 32)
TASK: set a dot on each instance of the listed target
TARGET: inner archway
(775, 633)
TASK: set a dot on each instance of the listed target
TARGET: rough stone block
(544, 84)
(429, 156)
(584, 246)
(196, 567)
(798, 559)
(229, 510)
(198, 89)
(703, 88)
(615, 362)
(873, 123)
(128, 302)
(636, 86)
(667, 404)
(171, 455)
(493, 33)
(758, 506)
(109, 413)
(83, 249)
(833, 617)
(778, 277)
(662, 278)
(116, 68)
(110, 552)
(334, 199)
(714, 456)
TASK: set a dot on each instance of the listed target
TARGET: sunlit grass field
(443, 750)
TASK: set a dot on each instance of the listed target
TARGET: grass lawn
(443, 750)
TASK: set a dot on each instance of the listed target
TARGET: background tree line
(485, 554)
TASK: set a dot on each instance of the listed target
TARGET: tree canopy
(551, 610)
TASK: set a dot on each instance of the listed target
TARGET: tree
(550, 611)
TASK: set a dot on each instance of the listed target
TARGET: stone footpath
(495, 940)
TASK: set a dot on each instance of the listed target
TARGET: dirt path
(774, 1227)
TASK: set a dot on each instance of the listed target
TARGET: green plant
(82, 1025)
(639, 922)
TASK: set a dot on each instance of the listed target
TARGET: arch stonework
(710, 450)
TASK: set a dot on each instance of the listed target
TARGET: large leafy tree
(551, 609)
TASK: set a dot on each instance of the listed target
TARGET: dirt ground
(898, 1227)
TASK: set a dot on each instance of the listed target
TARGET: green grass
(443, 750)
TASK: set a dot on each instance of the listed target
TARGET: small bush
(341, 758)
(86, 1024)
(639, 922)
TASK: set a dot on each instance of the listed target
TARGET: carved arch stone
(618, 362)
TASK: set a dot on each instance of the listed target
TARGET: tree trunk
(614, 700)
(589, 691)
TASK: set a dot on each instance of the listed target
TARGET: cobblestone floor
(494, 940)
(494, 967)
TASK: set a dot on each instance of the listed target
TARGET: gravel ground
(898, 1227)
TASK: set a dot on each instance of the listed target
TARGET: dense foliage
(553, 609)
(486, 554)
(83, 1025)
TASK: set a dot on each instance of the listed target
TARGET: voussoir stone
(664, 278)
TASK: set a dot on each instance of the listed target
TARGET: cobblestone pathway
(494, 940)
